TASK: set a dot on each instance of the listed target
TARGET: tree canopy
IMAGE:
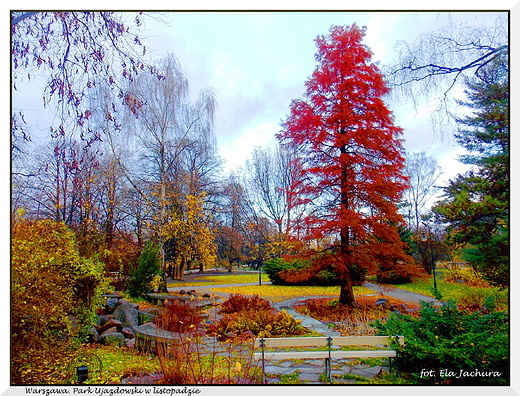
(435, 62)
(351, 155)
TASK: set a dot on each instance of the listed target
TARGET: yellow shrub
(467, 275)
(51, 284)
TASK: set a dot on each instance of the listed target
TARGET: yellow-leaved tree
(189, 238)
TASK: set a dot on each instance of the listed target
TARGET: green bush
(277, 267)
(325, 277)
(453, 347)
(51, 282)
(148, 267)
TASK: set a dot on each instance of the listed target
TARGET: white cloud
(236, 152)
(451, 166)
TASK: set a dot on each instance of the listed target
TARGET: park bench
(330, 349)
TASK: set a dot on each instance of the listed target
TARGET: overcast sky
(257, 62)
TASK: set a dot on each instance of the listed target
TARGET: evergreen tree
(476, 204)
(148, 266)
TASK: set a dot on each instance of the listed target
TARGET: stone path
(312, 371)
(399, 294)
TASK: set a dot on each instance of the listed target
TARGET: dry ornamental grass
(354, 320)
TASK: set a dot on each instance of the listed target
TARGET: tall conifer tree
(352, 157)
(476, 204)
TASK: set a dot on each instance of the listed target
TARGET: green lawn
(455, 291)
(274, 293)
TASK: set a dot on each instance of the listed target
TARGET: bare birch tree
(423, 172)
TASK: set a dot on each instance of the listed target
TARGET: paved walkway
(399, 294)
(312, 371)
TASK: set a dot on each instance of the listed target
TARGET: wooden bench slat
(363, 340)
(323, 341)
(325, 354)
(292, 342)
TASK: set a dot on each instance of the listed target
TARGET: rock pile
(116, 320)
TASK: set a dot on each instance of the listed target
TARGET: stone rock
(151, 324)
(381, 301)
(100, 320)
(93, 335)
(110, 330)
(367, 372)
(109, 324)
(114, 339)
(127, 314)
(111, 304)
(120, 301)
(128, 332)
(130, 342)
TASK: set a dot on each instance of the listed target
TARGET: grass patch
(222, 280)
(60, 369)
(116, 364)
(277, 293)
(383, 378)
(459, 292)
(288, 379)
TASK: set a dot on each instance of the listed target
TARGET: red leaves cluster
(350, 152)
(79, 51)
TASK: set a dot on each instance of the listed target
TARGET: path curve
(394, 292)
(400, 294)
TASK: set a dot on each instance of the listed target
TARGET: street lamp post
(257, 244)
(428, 239)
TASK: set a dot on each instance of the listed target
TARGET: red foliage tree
(352, 158)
